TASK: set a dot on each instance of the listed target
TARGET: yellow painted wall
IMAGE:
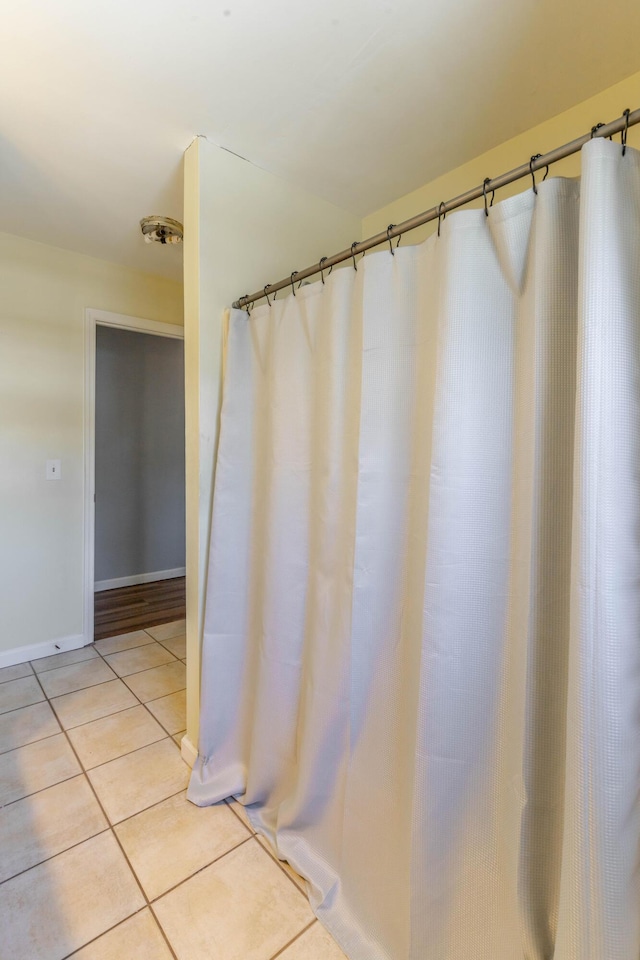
(43, 295)
(244, 227)
(566, 126)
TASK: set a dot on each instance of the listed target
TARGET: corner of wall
(244, 227)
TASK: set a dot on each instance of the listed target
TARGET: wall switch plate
(54, 471)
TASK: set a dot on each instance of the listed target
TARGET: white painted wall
(43, 295)
(244, 227)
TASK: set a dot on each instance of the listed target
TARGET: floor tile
(171, 841)
(171, 711)
(64, 659)
(159, 682)
(140, 658)
(288, 869)
(26, 725)
(240, 908)
(35, 767)
(20, 693)
(130, 784)
(125, 641)
(110, 737)
(314, 944)
(41, 826)
(177, 646)
(138, 938)
(178, 737)
(92, 703)
(59, 906)
(15, 672)
(164, 631)
(75, 677)
(240, 812)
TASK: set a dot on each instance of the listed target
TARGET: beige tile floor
(101, 855)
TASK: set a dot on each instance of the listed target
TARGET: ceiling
(358, 101)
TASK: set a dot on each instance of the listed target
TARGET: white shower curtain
(421, 663)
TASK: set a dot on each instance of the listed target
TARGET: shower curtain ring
(487, 180)
(322, 260)
(442, 215)
(353, 254)
(247, 305)
(389, 229)
(292, 281)
(267, 287)
(623, 134)
(533, 159)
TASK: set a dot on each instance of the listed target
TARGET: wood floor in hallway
(138, 607)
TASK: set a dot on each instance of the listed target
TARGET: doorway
(135, 544)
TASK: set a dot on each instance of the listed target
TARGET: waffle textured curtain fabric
(421, 663)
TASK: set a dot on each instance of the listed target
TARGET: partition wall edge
(241, 224)
(194, 578)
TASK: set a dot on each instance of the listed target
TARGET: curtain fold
(421, 661)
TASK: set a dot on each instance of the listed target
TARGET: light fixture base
(161, 230)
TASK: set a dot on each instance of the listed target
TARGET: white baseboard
(35, 651)
(101, 585)
(188, 751)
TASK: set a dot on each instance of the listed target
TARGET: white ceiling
(359, 101)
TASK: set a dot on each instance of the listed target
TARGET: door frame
(93, 319)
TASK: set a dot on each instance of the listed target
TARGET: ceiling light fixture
(161, 230)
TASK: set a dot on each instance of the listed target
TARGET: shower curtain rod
(628, 119)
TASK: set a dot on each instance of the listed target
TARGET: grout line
(11, 679)
(71, 846)
(293, 940)
(128, 753)
(245, 825)
(124, 854)
(74, 663)
(34, 793)
(115, 713)
(155, 699)
(111, 827)
(87, 722)
(136, 646)
(78, 689)
(84, 773)
(145, 702)
(279, 864)
(113, 832)
(134, 673)
(112, 714)
(67, 956)
(37, 740)
(40, 740)
(4, 713)
(172, 735)
(156, 803)
(199, 870)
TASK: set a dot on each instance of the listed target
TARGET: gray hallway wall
(140, 508)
